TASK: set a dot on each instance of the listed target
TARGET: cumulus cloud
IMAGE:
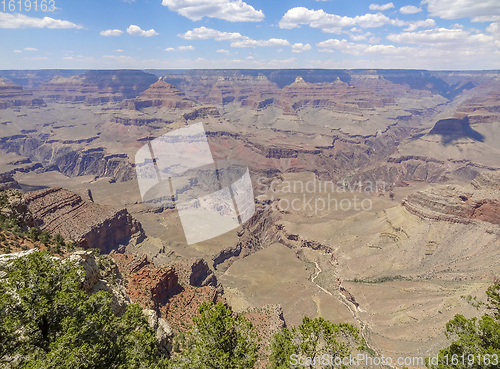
(381, 7)
(486, 18)
(409, 9)
(248, 42)
(17, 20)
(169, 49)
(329, 23)
(222, 51)
(238, 40)
(30, 49)
(456, 9)
(111, 32)
(413, 25)
(300, 47)
(134, 30)
(17, 51)
(204, 33)
(332, 23)
(356, 49)
(451, 39)
(186, 48)
(230, 10)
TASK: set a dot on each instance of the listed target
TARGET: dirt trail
(363, 326)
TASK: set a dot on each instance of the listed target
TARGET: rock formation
(453, 203)
(161, 95)
(12, 95)
(97, 87)
(90, 225)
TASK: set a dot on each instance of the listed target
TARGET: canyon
(429, 140)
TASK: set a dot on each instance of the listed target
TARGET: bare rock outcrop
(164, 332)
(13, 96)
(97, 86)
(161, 94)
(456, 204)
(90, 225)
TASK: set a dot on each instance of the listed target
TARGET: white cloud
(494, 28)
(486, 18)
(381, 7)
(186, 48)
(300, 47)
(332, 23)
(170, 49)
(118, 51)
(111, 32)
(456, 9)
(409, 9)
(230, 10)
(134, 30)
(204, 33)
(455, 43)
(222, 51)
(238, 40)
(17, 51)
(442, 36)
(17, 20)
(329, 23)
(249, 58)
(248, 42)
(413, 25)
(119, 58)
(30, 49)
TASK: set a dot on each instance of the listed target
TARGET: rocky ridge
(90, 225)
(97, 87)
(453, 203)
(161, 95)
(12, 96)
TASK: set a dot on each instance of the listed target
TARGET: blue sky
(184, 34)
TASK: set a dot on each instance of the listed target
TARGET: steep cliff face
(175, 291)
(221, 88)
(12, 95)
(90, 225)
(162, 95)
(7, 182)
(97, 87)
(69, 157)
(457, 204)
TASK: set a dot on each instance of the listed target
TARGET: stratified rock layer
(92, 226)
(457, 204)
(161, 94)
(12, 95)
(97, 87)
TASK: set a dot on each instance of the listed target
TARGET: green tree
(310, 341)
(475, 341)
(45, 238)
(281, 350)
(219, 340)
(47, 321)
(33, 234)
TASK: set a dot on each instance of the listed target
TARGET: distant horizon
(241, 69)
